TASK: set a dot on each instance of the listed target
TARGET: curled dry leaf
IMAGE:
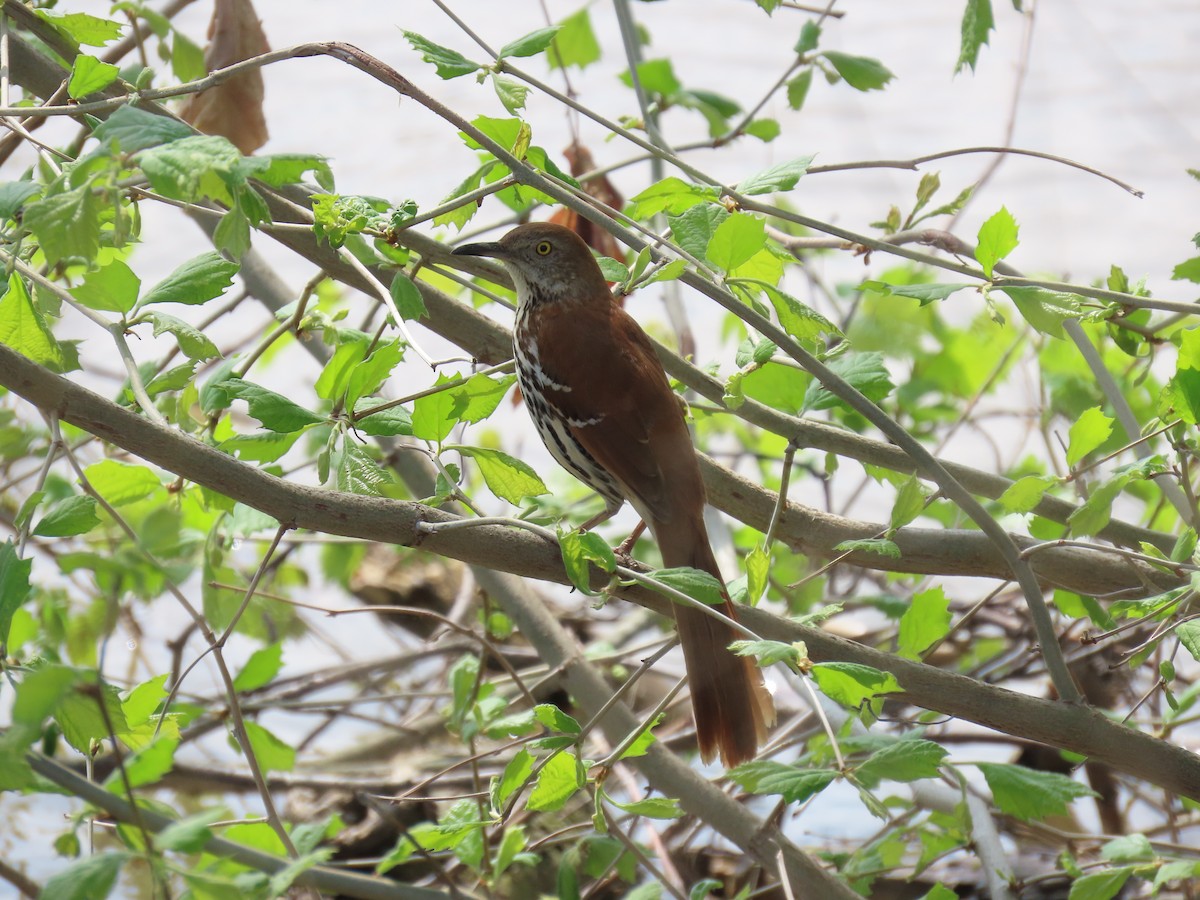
(233, 109)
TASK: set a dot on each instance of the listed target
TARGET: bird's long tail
(729, 699)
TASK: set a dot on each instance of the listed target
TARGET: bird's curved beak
(487, 248)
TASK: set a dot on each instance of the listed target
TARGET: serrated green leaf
(910, 502)
(575, 43)
(511, 92)
(1189, 635)
(555, 719)
(89, 75)
(433, 415)
(151, 763)
(479, 397)
(882, 546)
(926, 620)
(860, 72)
(136, 129)
(81, 27)
(793, 784)
(767, 653)
(447, 63)
(192, 341)
(977, 23)
(1043, 309)
(1097, 510)
(531, 44)
(735, 240)
(781, 177)
(651, 807)
(997, 239)
(91, 878)
(121, 483)
(112, 288)
(408, 299)
(23, 327)
(272, 754)
(66, 225)
(516, 773)
(671, 195)
(906, 760)
(68, 517)
(695, 583)
(866, 372)
(1087, 432)
(275, 411)
(262, 666)
(507, 477)
(559, 780)
(192, 168)
(14, 194)
(580, 550)
(367, 377)
(197, 281)
(1100, 885)
(693, 229)
(1026, 493)
(925, 293)
(1128, 848)
(191, 834)
(1029, 794)
(851, 684)
(14, 586)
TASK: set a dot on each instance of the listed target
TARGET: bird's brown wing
(621, 406)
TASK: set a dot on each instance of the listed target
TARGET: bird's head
(547, 262)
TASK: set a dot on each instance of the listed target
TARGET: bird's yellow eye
(543, 248)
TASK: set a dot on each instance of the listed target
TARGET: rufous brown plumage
(603, 406)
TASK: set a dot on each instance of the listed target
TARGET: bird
(602, 404)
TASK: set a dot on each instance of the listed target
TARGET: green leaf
(187, 58)
(507, 477)
(925, 293)
(735, 240)
(82, 28)
(767, 653)
(1026, 493)
(782, 177)
(1087, 432)
(386, 422)
(579, 551)
(575, 43)
(1179, 398)
(1189, 635)
(433, 415)
(766, 130)
(997, 239)
(865, 372)
(977, 23)
(612, 270)
(197, 281)
(532, 44)
(448, 63)
(926, 620)
(192, 341)
(262, 666)
(192, 168)
(355, 471)
(89, 75)
(111, 288)
(882, 546)
(1128, 848)
(1096, 512)
(149, 764)
(92, 878)
(408, 299)
(121, 483)
(651, 807)
(555, 719)
(860, 72)
(272, 753)
(851, 684)
(693, 229)
(274, 411)
(134, 129)
(479, 397)
(1188, 270)
(657, 76)
(910, 502)
(66, 224)
(13, 195)
(558, 781)
(793, 784)
(14, 586)
(671, 195)
(512, 93)
(334, 378)
(1043, 309)
(189, 835)
(1029, 794)
(511, 846)
(68, 517)
(516, 772)
(143, 700)
(798, 319)
(695, 583)
(904, 761)
(797, 88)
(1100, 885)
(367, 377)
(81, 719)
(23, 327)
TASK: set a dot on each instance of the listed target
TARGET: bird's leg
(624, 550)
(600, 518)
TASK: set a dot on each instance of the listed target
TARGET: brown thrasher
(605, 410)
